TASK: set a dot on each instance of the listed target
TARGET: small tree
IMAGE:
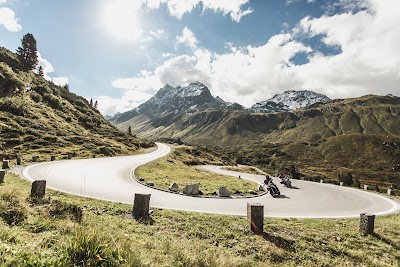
(95, 104)
(130, 129)
(27, 52)
(347, 178)
(40, 71)
(91, 102)
(356, 183)
(293, 172)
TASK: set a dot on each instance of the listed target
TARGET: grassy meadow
(47, 232)
(180, 167)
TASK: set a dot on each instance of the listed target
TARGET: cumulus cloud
(47, 68)
(8, 19)
(178, 8)
(187, 38)
(131, 99)
(2, 1)
(368, 61)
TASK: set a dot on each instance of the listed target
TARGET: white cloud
(48, 68)
(368, 61)
(167, 55)
(178, 8)
(60, 81)
(130, 100)
(8, 19)
(187, 38)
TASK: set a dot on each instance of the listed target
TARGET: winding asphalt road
(112, 179)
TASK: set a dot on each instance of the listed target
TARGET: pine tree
(293, 172)
(40, 71)
(130, 129)
(91, 102)
(95, 104)
(27, 52)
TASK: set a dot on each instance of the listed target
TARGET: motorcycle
(286, 182)
(272, 188)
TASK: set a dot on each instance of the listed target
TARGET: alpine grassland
(47, 232)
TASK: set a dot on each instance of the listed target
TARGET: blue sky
(120, 52)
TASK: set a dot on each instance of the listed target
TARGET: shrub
(11, 210)
(10, 83)
(16, 105)
(89, 248)
(61, 210)
(356, 183)
(35, 96)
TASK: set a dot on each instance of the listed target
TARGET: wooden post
(52, 158)
(38, 188)
(367, 223)
(69, 156)
(255, 216)
(2, 175)
(34, 158)
(366, 187)
(19, 161)
(141, 205)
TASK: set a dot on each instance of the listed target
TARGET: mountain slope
(320, 140)
(36, 116)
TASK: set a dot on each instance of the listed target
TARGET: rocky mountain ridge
(197, 97)
(290, 100)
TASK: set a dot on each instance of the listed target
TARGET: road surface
(112, 179)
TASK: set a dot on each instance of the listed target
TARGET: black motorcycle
(272, 188)
(286, 182)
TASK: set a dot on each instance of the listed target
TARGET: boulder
(195, 189)
(191, 189)
(188, 189)
(174, 187)
(150, 184)
(223, 192)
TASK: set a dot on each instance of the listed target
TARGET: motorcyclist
(267, 179)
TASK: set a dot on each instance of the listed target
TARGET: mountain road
(112, 179)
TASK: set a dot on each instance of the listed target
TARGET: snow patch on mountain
(290, 100)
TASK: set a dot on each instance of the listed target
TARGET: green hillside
(358, 135)
(40, 118)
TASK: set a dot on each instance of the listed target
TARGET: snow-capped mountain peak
(290, 100)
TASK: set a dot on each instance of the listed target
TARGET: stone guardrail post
(366, 187)
(38, 188)
(34, 158)
(255, 216)
(367, 222)
(6, 164)
(141, 206)
(19, 161)
(2, 175)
